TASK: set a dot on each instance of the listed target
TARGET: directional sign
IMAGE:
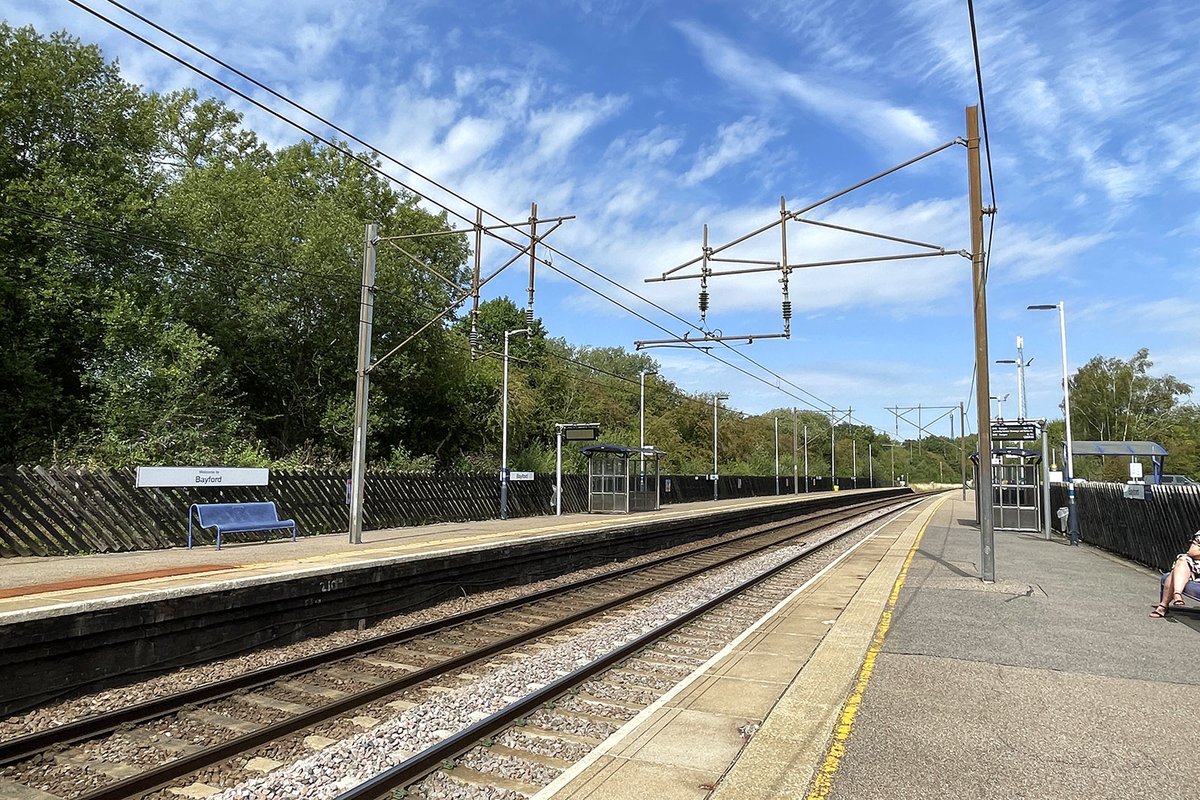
(1015, 431)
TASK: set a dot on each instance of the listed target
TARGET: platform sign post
(1046, 480)
(573, 432)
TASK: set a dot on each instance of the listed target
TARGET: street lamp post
(1072, 518)
(805, 457)
(999, 405)
(854, 461)
(642, 419)
(832, 453)
(777, 455)
(1021, 365)
(504, 426)
(795, 462)
(715, 477)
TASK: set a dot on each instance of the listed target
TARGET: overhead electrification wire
(987, 146)
(336, 146)
(383, 154)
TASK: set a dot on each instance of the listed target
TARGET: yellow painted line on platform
(574, 525)
(227, 573)
(823, 781)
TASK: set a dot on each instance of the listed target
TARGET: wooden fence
(64, 511)
(1151, 531)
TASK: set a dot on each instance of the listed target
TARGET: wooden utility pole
(983, 406)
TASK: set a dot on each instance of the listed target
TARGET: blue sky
(649, 120)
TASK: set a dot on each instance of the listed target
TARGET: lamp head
(1043, 307)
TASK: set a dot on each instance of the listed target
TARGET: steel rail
(430, 759)
(22, 747)
(160, 776)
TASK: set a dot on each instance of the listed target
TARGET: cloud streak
(852, 108)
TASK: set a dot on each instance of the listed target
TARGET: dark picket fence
(1151, 531)
(64, 510)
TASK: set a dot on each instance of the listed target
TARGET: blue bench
(237, 517)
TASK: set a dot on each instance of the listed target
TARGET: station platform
(34, 587)
(898, 673)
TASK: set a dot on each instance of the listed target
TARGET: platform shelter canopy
(1084, 448)
(622, 479)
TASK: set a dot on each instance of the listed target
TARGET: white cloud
(557, 129)
(735, 143)
(1024, 252)
(892, 127)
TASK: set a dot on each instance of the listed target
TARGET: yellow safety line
(354, 555)
(823, 781)
(234, 571)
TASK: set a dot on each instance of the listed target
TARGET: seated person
(1186, 568)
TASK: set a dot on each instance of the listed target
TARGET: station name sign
(1015, 431)
(202, 476)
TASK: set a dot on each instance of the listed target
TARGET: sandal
(1159, 612)
(1177, 601)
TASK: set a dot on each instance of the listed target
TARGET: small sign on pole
(520, 476)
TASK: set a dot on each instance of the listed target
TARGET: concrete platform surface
(31, 583)
(897, 673)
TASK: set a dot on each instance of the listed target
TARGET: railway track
(222, 734)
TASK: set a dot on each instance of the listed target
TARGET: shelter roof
(1082, 448)
(616, 449)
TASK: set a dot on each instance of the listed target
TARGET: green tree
(77, 176)
(1119, 400)
(162, 397)
(283, 311)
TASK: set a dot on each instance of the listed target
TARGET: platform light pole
(504, 426)
(795, 449)
(1072, 518)
(777, 455)
(642, 419)
(717, 398)
(999, 405)
(854, 461)
(832, 453)
(1021, 365)
(806, 481)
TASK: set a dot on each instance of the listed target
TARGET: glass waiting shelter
(1016, 488)
(622, 479)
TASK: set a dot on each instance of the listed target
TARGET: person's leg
(1168, 591)
(1181, 573)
